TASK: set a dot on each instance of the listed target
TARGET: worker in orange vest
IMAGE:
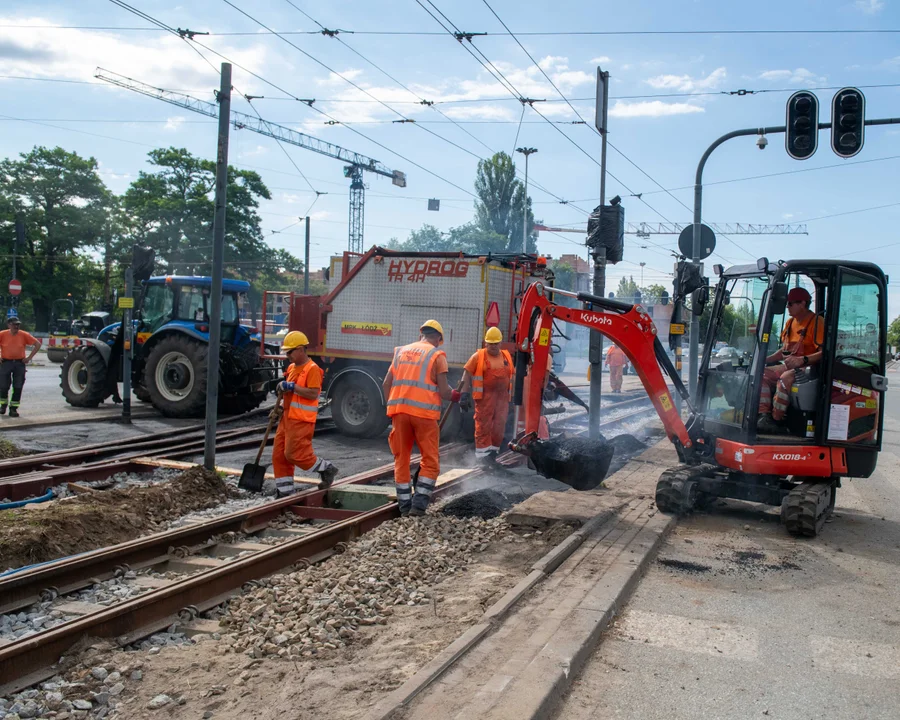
(616, 359)
(414, 386)
(299, 392)
(489, 374)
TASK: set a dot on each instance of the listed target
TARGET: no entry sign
(15, 287)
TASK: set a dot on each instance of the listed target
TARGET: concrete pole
(215, 310)
(526, 151)
(306, 261)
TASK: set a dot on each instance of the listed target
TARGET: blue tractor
(170, 352)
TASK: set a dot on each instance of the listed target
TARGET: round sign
(707, 241)
(15, 287)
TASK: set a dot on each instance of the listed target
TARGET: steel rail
(26, 661)
(69, 574)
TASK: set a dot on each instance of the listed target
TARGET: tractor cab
(62, 315)
(837, 394)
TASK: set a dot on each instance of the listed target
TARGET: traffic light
(801, 137)
(848, 122)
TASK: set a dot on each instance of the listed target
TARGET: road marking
(856, 658)
(689, 635)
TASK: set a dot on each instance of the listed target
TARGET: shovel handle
(265, 439)
(447, 411)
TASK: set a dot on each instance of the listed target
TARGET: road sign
(751, 329)
(15, 286)
(601, 100)
(707, 241)
(676, 329)
(126, 302)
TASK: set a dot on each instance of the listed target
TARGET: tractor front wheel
(83, 378)
(175, 376)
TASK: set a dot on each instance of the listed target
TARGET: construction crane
(353, 170)
(645, 230)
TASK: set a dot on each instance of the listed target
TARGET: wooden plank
(443, 479)
(181, 465)
(79, 489)
(77, 607)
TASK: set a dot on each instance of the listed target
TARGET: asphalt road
(738, 620)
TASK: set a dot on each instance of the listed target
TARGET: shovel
(254, 474)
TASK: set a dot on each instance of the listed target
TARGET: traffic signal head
(848, 122)
(802, 125)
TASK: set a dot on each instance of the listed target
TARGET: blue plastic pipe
(22, 503)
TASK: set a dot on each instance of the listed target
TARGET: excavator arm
(627, 325)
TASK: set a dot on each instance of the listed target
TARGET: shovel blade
(252, 477)
(579, 464)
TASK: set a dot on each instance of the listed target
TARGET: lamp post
(526, 151)
(642, 273)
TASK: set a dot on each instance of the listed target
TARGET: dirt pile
(48, 531)
(9, 450)
(485, 504)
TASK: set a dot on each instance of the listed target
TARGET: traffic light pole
(693, 358)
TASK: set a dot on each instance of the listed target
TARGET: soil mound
(485, 504)
(47, 531)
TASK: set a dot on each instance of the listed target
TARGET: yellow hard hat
(434, 325)
(293, 340)
(493, 335)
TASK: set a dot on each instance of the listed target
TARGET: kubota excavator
(833, 427)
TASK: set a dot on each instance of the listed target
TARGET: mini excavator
(834, 422)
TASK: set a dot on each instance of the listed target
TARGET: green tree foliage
(62, 200)
(627, 290)
(893, 333)
(652, 294)
(501, 201)
(468, 238)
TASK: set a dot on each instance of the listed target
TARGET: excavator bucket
(577, 462)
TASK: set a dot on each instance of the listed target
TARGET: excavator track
(806, 508)
(676, 490)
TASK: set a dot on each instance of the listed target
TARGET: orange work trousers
(491, 410)
(293, 447)
(615, 377)
(407, 430)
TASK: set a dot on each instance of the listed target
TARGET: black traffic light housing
(848, 122)
(801, 137)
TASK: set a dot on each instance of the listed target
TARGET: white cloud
(798, 76)
(685, 83)
(174, 124)
(654, 108)
(254, 152)
(602, 60)
(892, 63)
(481, 112)
(870, 7)
(164, 60)
(337, 79)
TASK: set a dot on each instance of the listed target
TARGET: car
(728, 352)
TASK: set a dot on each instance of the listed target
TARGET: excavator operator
(414, 386)
(489, 374)
(802, 340)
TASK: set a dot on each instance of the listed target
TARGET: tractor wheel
(83, 378)
(357, 409)
(55, 355)
(142, 394)
(175, 376)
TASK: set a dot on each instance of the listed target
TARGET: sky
(675, 69)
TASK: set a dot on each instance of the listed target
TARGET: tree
(468, 238)
(893, 333)
(172, 211)
(627, 290)
(652, 294)
(501, 202)
(62, 201)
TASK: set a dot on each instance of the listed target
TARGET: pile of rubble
(322, 607)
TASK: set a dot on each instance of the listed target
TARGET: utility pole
(215, 311)
(526, 152)
(127, 303)
(595, 347)
(642, 273)
(306, 261)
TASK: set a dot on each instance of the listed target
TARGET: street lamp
(642, 273)
(526, 152)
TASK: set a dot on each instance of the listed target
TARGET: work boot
(417, 512)
(327, 475)
(767, 425)
(14, 412)
(2, 409)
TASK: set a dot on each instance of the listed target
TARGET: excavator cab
(837, 401)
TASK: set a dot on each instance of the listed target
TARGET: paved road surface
(739, 620)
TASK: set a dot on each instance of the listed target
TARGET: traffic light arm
(242, 121)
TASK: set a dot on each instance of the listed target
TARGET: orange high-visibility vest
(296, 407)
(412, 391)
(478, 377)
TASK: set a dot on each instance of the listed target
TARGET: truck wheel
(175, 376)
(56, 356)
(240, 404)
(83, 378)
(357, 409)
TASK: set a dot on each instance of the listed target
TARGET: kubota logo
(596, 319)
(787, 456)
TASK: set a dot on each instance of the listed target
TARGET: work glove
(465, 401)
(275, 413)
(285, 386)
(455, 396)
